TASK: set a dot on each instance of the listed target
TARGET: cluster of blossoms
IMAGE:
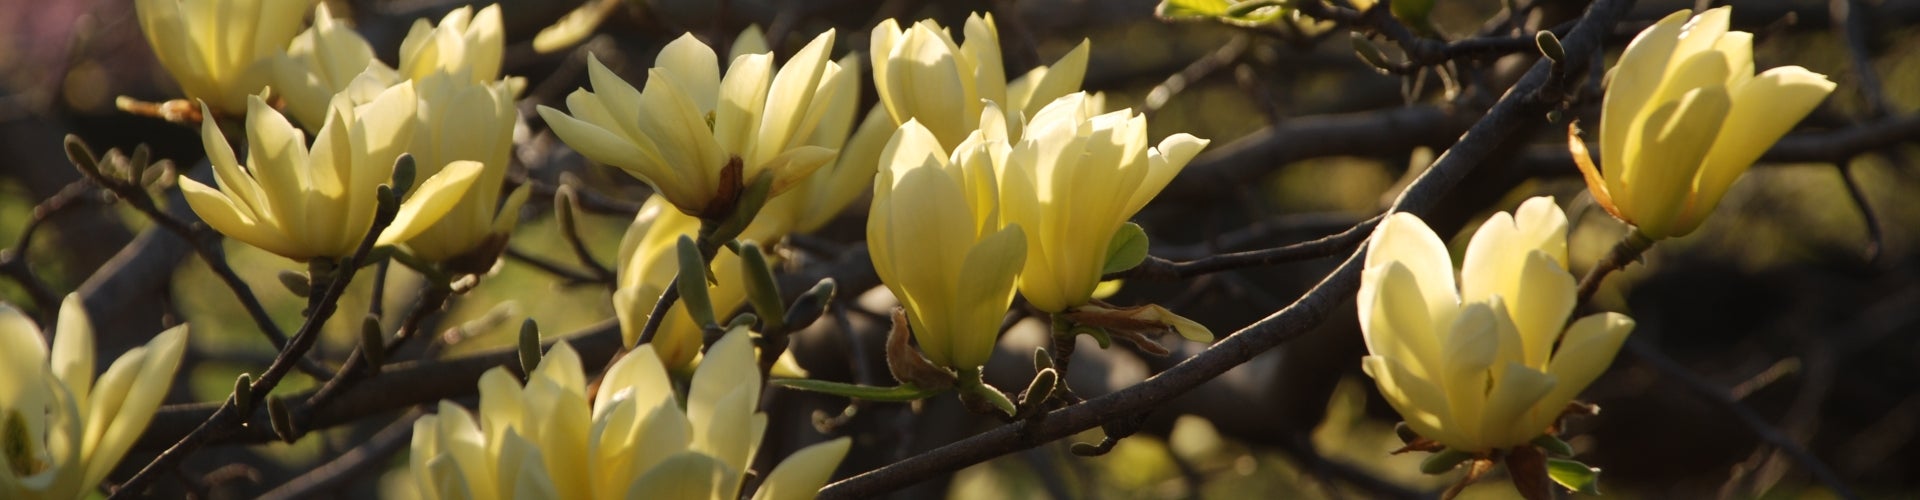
(633, 438)
(1023, 184)
(982, 186)
(446, 106)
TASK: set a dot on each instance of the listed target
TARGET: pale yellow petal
(694, 66)
(1630, 89)
(72, 351)
(687, 475)
(985, 289)
(431, 200)
(1675, 142)
(597, 144)
(1508, 401)
(1422, 405)
(1761, 113)
(801, 475)
(150, 379)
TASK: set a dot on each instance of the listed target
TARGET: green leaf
(1128, 248)
(1191, 9)
(1553, 445)
(1574, 475)
(1242, 13)
(1444, 460)
(897, 394)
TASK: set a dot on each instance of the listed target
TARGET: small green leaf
(1574, 475)
(1553, 445)
(529, 348)
(692, 282)
(1412, 12)
(1443, 461)
(1128, 248)
(762, 291)
(1183, 10)
(897, 394)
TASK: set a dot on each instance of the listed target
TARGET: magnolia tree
(1020, 215)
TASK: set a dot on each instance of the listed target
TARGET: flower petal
(801, 475)
(431, 201)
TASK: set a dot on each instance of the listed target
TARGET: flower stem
(1634, 244)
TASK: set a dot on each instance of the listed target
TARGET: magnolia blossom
(920, 73)
(635, 437)
(827, 192)
(308, 204)
(61, 431)
(464, 44)
(460, 120)
(1474, 367)
(1684, 116)
(936, 240)
(322, 61)
(1067, 151)
(330, 58)
(698, 138)
(220, 51)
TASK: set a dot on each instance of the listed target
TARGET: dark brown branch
(1516, 109)
(568, 277)
(1301, 138)
(426, 381)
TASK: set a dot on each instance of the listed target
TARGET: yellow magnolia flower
(648, 264)
(305, 204)
(220, 51)
(937, 242)
(698, 138)
(1475, 367)
(60, 431)
(322, 61)
(1684, 116)
(330, 58)
(635, 438)
(464, 44)
(920, 73)
(827, 192)
(1068, 149)
(459, 120)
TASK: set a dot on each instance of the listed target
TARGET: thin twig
(568, 277)
(1876, 233)
(660, 307)
(1627, 251)
(1155, 268)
